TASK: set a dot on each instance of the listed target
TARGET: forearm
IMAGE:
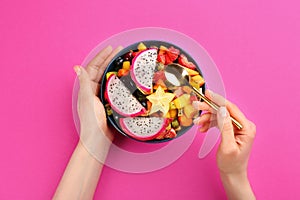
(237, 186)
(81, 176)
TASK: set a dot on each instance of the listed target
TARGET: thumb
(225, 126)
(84, 81)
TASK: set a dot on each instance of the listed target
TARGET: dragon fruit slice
(142, 69)
(143, 128)
(120, 98)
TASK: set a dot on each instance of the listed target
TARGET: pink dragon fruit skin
(142, 69)
(121, 100)
(143, 128)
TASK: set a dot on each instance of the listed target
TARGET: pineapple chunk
(173, 113)
(108, 74)
(191, 72)
(189, 111)
(167, 115)
(172, 105)
(184, 121)
(126, 65)
(163, 48)
(197, 81)
(141, 46)
(168, 127)
(182, 101)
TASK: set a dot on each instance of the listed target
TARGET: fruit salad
(136, 92)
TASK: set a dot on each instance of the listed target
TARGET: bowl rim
(125, 50)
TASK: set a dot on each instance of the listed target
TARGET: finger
(225, 126)
(204, 118)
(85, 89)
(105, 63)
(95, 87)
(204, 128)
(234, 111)
(207, 93)
(218, 99)
(95, 64)
(198, 105)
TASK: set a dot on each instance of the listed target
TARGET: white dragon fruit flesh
(142, 69)
(143, 128)
(120, 98)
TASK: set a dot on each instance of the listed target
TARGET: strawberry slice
(161, 58)
(168, 60)
(172, 53)
(171, 133)
(184, 62)
(167, 55)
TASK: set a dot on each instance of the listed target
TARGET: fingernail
(223, 111)
(196, 104)
(109, 47)
(211, 93)
(200, 130)
(77, 70)
(120, 47)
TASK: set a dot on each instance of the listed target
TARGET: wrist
(97, 144)
(84, 153)
(237, 186)
(234, 178)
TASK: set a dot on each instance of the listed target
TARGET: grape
(128, 56)
(119, 63)
(144, 103)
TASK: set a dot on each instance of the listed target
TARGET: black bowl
(113, 119)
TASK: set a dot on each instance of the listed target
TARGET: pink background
(254, 43)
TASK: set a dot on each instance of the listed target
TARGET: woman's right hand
(95, 135)
(235, 147)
